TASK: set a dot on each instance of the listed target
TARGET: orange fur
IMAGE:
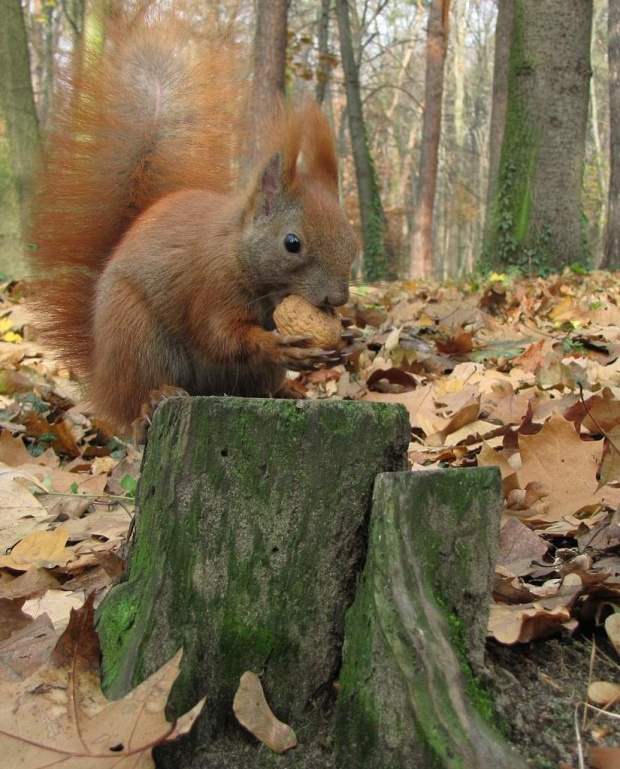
(156, 270)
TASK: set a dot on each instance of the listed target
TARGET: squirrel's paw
(140, 426)
(294, 356)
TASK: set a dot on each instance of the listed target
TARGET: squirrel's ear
(271, 180)
(318, 146)
(271, 184)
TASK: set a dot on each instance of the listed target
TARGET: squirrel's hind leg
(133, 357)
(140, 426)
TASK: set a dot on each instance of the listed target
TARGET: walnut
(295, 316)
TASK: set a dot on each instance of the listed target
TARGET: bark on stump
(250, 541)
(408, 696)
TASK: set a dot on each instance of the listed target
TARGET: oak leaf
(58, 716)
(566, 466)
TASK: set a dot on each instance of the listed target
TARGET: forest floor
(524, 375)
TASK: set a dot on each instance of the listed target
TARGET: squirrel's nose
(338, 297)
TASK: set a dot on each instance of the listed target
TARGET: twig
(603, 711)
(102, 497)
(590, 671)
(582, 764)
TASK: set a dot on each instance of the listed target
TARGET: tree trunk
(250, 542)
(269, 60)
(421, 264)
(503, 36)
(17, 109)
(611, 258)
(325, 64)
(537, 216)
(371, 211)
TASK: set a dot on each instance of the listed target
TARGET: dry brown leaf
(20, 510)
(58, 715)
(42, 549)
(531, 359)
(31, 583)
(612, 628)
(488, 457)
(566, 466)
(12, 450)
(602, 412)
(610, 464)
(12, 617)
(519, 546)
(27, 649)
(520, 624)
(460, 344)
(603, 693)
(255, 715)
(419, 403)
(111, 524)
(465, 416)
(56, 604)
(65, 443)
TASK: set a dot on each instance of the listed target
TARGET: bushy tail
(156, 110)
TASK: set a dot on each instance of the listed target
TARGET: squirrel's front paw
(350, 341)
(295, 356)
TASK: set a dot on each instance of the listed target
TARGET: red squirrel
(157, 271)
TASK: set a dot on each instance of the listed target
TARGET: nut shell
(295, 316)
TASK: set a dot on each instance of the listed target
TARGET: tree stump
(407, 694)
(251, 539)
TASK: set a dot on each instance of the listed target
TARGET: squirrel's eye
(292, 243)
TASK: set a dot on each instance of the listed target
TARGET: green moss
(122, 606)
(375, 259)
(479, 695)
(356, 722)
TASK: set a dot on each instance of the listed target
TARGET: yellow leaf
(42, 549)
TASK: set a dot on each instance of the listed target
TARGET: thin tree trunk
(596, 136)
(269, 59)
(21, 136)
(537, 216)
(371, 211)
(324, 68)
(611, 258)
(455, 158)
(459, 69)
(16, 99)
(503, 34)
(437, 44)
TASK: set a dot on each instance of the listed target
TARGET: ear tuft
(318, 147)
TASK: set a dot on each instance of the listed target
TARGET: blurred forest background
(473, 134)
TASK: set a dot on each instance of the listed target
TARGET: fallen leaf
(58, 715)
(27, 649)
(519, 546)
(603, 693)
(40, 549)
(32, 582)
(612, 628)
(557, 458)
(12, 617)
(255, 715)
(56, 604)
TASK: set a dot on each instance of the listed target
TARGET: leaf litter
(523, 375)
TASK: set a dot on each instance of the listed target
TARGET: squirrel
(160, 270)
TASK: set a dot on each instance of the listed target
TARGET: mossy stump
(414, 638)
(251, 539)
